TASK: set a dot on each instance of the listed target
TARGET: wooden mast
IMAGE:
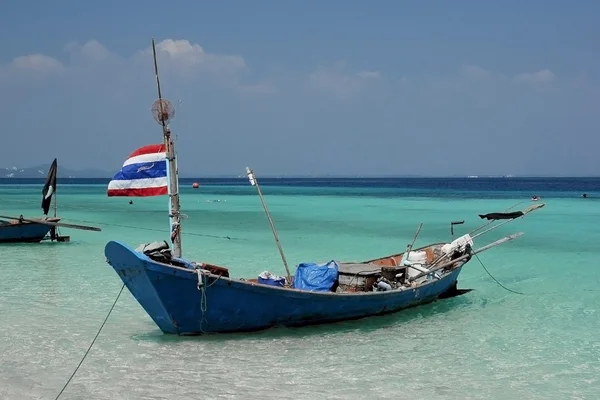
(165, 113)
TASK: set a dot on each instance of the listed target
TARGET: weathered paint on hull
(27, 232)
(171, 297)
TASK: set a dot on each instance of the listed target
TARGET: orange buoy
(195, 185)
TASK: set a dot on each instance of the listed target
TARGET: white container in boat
(417, 257)
(458, 244)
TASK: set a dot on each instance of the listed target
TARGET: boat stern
(131, 268)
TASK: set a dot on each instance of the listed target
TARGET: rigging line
(77, 207)
(91, 344)
(491, 276)
(151, 229)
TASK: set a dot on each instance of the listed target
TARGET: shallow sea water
(487, 344)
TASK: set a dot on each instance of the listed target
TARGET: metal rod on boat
(472, 253)
(254, 182)
(452, 227)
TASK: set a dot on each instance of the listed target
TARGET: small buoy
(195, 185)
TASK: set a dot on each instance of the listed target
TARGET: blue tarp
(316, 277)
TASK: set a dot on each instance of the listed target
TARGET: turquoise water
(487, 344)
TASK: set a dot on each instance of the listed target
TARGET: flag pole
(164, 112)
(254, 182)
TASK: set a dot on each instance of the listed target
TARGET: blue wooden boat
(192, 298)
(196, 298)
(21, 231)
(34, 230)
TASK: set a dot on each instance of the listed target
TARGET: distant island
(41, 171)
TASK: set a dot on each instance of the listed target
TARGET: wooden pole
(405, 260)
(254, 182)
(410, 246)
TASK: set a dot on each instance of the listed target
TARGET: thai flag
(144, 173)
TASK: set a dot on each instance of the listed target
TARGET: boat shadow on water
(446, 303)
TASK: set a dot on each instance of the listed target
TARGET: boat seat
(361, 269)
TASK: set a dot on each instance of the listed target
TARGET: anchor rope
(202, 286)
(91, 344)
(491, 276)
(533, 293)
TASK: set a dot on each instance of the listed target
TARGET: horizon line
(272, 176)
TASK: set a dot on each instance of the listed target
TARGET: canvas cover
(316, 277)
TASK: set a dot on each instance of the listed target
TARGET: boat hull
(23, 232)
(182, 302)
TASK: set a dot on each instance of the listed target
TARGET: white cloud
(340, 83)
(475, 71)
(542, 76)
(31, 66)
(185, 57)
(369, 74)
(92, 50)
(178, 58)
(36, 62)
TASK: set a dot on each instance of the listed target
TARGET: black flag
(49, 188)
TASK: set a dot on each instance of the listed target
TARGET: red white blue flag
(144, 173)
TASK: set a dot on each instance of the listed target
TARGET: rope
(151, 229)
(86, 208)
(91, 344)
(491, 276)
(135, 227)
(202, 286)
(202, 289)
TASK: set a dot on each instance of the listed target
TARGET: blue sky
(307, 87)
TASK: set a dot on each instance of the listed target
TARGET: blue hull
(177, 303)
(24, 232)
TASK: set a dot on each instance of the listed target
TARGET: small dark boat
(34, 230)
(20, 230)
